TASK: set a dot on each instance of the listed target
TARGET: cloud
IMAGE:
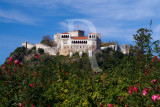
(15, 16)
(109, 16)
(114, 9)
(118, 10)
(33, 3)
(107, 32)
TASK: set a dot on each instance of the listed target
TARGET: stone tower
(125, 49)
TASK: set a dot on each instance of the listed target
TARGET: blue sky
(24, 20)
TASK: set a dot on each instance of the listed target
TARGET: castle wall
(114, 47)
(77, 33)
(74, 41)
(28, 45)
(125, 49)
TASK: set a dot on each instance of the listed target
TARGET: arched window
(89, 36)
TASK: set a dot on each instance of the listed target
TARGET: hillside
(31, 78)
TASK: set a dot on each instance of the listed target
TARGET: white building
(70, 42)
(74, 41)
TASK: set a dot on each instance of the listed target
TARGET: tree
(103, 44)
(143, 48)
(47, 40)
(47, 37)
(40, 50)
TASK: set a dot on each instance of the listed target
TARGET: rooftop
(92, 33)
(65, 33)
(80, 38)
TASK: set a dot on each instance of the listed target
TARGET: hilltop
(34, 78)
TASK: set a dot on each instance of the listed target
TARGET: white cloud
(107, 32)
(114, 9)
(15, 16)
(109, 16)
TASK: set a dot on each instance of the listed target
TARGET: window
(65, 42)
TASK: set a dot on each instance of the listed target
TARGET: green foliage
(31, 51)
(19, 53)
(47, 40)
(69, 82)
(109, 43)
(40, 51)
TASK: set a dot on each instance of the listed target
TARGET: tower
(125, 49)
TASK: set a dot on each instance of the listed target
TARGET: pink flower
(34, 83)
(132, 89)
(10, 59)
(154, 98)
(110, 105)
(33, 105)
(153, 81)
(31, 85)
(144, 92)
(16, 61)
(135, 89)
(3, 67)
(130, 92)
(20, 104)
(158, 97)
(101, 104)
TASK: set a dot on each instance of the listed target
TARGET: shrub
(40, 51)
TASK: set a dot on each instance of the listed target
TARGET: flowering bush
(43, 80)
(51, 82)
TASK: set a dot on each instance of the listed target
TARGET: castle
(74, 41)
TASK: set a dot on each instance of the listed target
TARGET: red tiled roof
(65, 33)
(80, 38)
(92, 33)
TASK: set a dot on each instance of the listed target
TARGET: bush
(40, 51)
(62, 81)
(31, 51)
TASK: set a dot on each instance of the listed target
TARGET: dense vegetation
(42, 80)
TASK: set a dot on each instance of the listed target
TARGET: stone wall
(28, 45)
(76, 33)
(47, 49)
(114, 47)
(125, 49)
